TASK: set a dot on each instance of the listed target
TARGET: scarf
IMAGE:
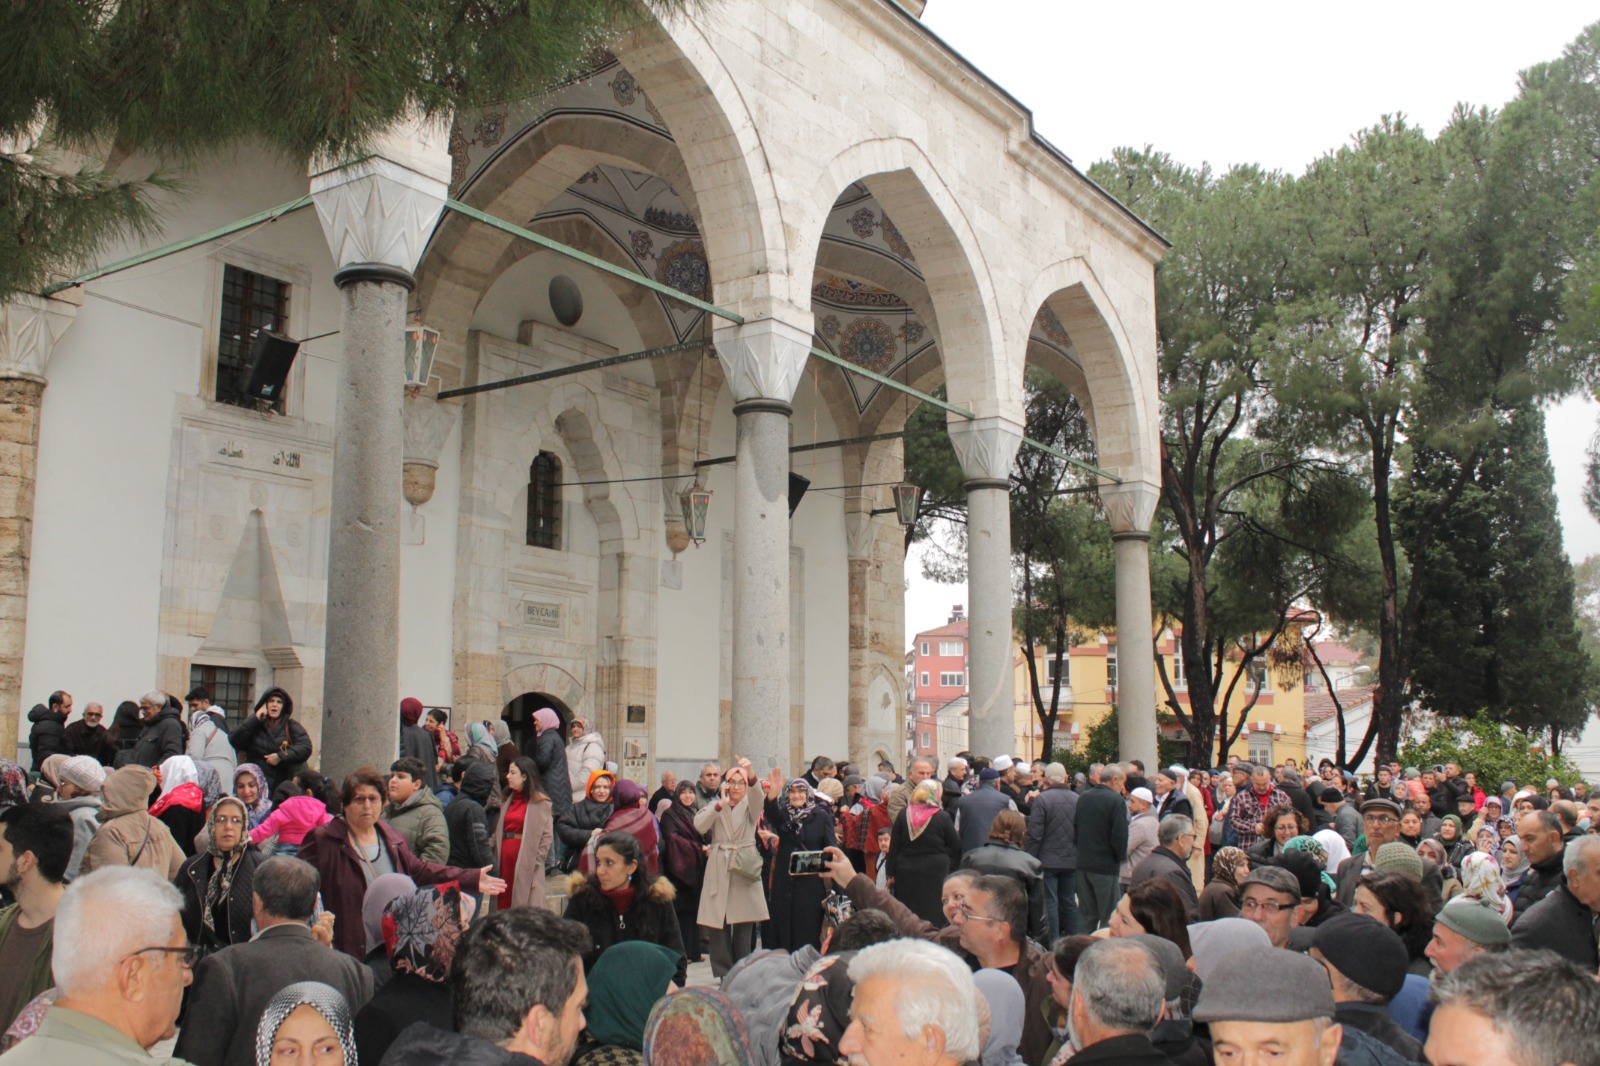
(1334, 844)
(697, 1027)
(210, 784)
(872, 789)
(178, 770)
(544, 719)
(1313, 847)
(1228, 864)
(50, 769)
(681, 855)
(385, 890)
(625, 983)
(621, 898)
(13, 784)
(1482, 880)
(920, 811)
(502, 732)
(224, 864)
(263, 804)
(796, 817)
(422, 929)
(1511, 874)
(321, 998)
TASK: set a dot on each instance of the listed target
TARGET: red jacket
(344, 885)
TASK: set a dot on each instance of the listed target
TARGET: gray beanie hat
(1233, 993)
(1217, 940)
(1476, 921)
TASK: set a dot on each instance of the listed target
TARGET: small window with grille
(544, 502)
(250, 302)
(232, 688)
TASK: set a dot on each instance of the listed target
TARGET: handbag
(746, 862)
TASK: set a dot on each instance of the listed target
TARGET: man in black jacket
(47, 737)
(1170, 860)
(1564, 921)
(1540, 835)
(1118, 992)
(1102, 847)
(89, 735)
(1366, 963)
(976, 813)
(164, 734)
(464, 818)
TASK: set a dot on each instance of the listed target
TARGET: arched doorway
(518, 714)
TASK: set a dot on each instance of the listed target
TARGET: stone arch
(588, 442)
(1120, 392)
(545, 678)
(908, 188)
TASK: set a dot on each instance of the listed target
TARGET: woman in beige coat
(730, 905)
(128, 835)
(523, 834)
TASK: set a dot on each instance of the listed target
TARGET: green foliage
(1100, 746)
(1493, 751)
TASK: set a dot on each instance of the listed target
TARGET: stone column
(29, 328)
(763, 360)
(1130, 506)
(986, 448)
(377, 215)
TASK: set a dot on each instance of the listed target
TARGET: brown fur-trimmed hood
(661, 890)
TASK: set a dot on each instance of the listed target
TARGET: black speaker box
(797, 490)
(271, 356)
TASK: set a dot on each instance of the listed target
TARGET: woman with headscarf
(480, 743)
(308, 1022)
(731, 900)
(923, 848)
(624, 986)
(272, 739)
(550, 755)
(1220, 897)
(629, 815)
(79, 779)
(1453, 835)
(1430, 848)
(1004, 998)
(128, 835)
(523, 835)
(216, 884)
(1513, 866)
(585, 820)
(803, 821)
(1481, 882)
(380, 894)
(696, 1027)
(416, 743)
(683, 862)
(181, 806)
(620, 901)
(250, 785)
(421, 931)
(1334, 846)
(877, 820)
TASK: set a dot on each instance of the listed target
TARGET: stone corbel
(985, 447)
(378, 212)
(763, 359)
(30, 326)
(860, 531)
(428, 423)
(1130, 506)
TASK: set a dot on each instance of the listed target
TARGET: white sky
(1256, 82)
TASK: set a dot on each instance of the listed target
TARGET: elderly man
(233, 986)
(89, 736)
(1053, 840)
(668, 789)
(1274, 1006)
(1170, 860)
(1366, 963)
(1270, 897)
(518, 991)
(121, 964)
(975, 813)
(1143, 834)
(1380, 819)
(707, 787)
(1518, 1009)
(1118, 997)
(955, 783)
(1539, 833)
(1564, 921)
(915, 1004)
(1463, 931)
(1102, 847)
(1250, 806)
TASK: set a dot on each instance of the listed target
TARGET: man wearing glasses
(89, 736)
(1269, 897)
(1380, 820)
(121, 964)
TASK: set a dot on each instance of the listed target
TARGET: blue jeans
(1061, 903)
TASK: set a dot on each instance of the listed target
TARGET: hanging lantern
(421, 344)
(696, 502)
(906, 497)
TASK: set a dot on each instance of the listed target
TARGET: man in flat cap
(1270, 897)
(1462, 931)
(1518, 1008)
(1366, 963)
(1380, 820)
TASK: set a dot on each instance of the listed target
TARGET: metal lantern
(696, 502)
(906, 496)
(421, 344)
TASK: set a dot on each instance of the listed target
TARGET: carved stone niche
(427, 424)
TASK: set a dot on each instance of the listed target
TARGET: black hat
(1306, 870)
(1365, 951)
(1330, 795)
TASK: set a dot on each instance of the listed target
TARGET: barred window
(232, 688)
(250, 302)
(544, 502)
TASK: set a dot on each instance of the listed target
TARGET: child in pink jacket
(294, 818)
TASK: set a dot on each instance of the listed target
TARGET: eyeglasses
(188, 955)
(973, 916)
(1268, 907)
(228, 819)
(1379, 819)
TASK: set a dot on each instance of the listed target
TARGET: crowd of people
(184, 891)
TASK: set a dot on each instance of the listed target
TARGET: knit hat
(1365, 951)
(84, 771)
(1142, 794)
(1215, 941)
(1173, 970)
(988, 773)
(1400, 857)
(1299, 989)
(1412, 772)
(1330, 795)
(410, 710)
(1475, 920)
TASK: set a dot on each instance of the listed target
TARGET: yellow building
(1275, 728)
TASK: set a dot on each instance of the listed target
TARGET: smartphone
(803, 863)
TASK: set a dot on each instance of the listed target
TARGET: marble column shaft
(1129, 508)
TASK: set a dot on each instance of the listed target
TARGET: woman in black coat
(803, 823)
(585, 818)
(620, 901)
(923, 848)
(272, 739)
(216, 884)
(683, 862)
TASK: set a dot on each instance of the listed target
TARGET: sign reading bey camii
(539, 613)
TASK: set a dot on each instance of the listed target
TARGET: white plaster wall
(428, 587)
(818, 530)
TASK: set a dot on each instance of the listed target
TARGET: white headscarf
(178, 770)
(1338, 851)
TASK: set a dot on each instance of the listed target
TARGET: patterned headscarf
(796, 817)
(224, 864)
(13, 784)
(1481, 876)
(819, 1012)
(422, 930)
(697, 1027)
(379, 895)
(263, 804)
(210, 784)
(1314, 848)
(1229, 865)
(321, 998)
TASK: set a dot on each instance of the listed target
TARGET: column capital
(29, 328)
(860, 533)
(985, 447)
(378, 212)
(1130, 506)
(763, 359)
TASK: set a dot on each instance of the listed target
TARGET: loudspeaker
(797, 489)
(271, 356)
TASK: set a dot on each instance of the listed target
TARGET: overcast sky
(1268, 83)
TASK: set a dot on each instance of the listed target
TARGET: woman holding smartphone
(803, 822)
